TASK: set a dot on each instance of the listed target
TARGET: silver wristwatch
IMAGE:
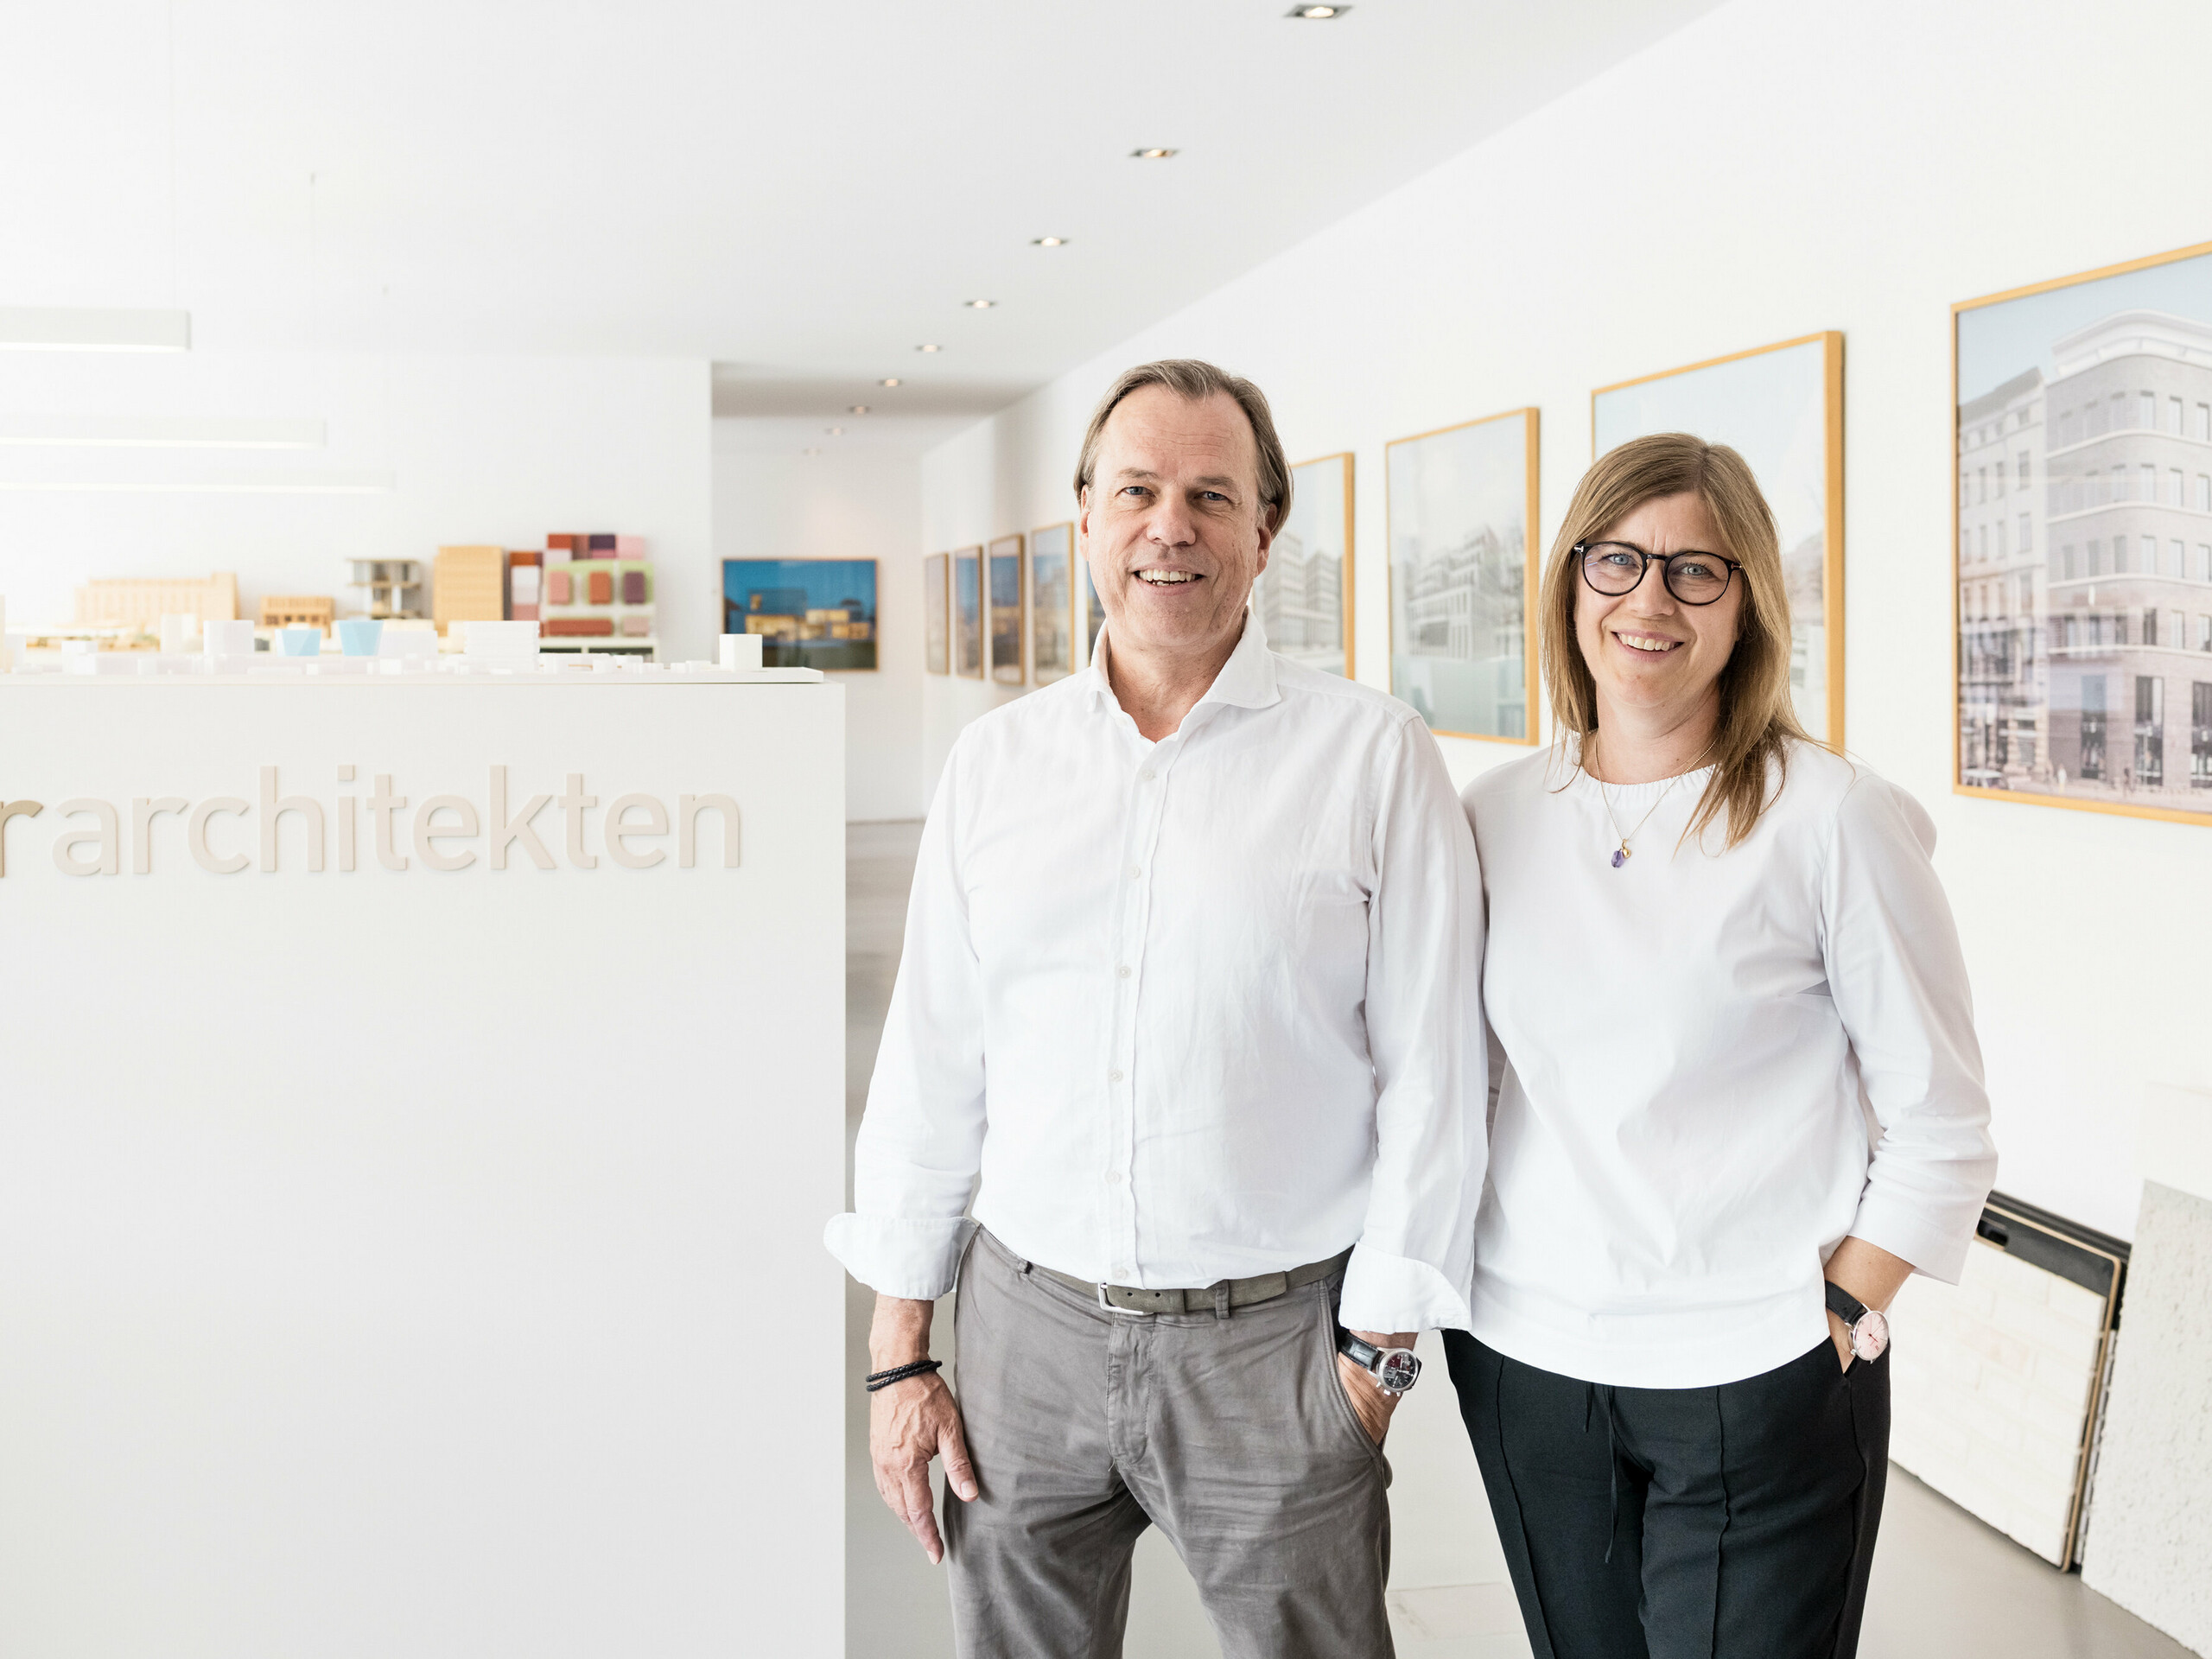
(1394, 1370)
(1869, 1326)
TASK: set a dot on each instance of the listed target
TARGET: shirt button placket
(1147, 805)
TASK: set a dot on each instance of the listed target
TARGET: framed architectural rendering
(810, 612)
(1304, 598)
(1462, 512)
(2081, 554)
(968, 613)
(937, 615)
(1781, 408)
(1052, 603)
(1006, 591)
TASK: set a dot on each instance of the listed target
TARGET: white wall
(860, 496)
(489, 449)
(1770, 170)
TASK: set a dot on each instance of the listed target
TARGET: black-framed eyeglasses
(1617, 567)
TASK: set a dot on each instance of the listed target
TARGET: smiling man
(1190, 984)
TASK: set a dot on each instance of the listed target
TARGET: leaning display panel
(406, 1259)
(2083, 541)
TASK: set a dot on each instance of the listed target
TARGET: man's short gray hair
(1188, 378)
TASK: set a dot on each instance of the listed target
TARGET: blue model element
(360, 636)
(299, 642)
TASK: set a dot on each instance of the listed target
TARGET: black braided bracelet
(899, 1373)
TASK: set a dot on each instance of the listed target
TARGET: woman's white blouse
(1712, 1066)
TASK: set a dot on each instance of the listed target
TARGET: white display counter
(406, 1248)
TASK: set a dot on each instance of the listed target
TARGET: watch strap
(1362, 1353)
(1845, 1305)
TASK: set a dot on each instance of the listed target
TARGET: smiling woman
(1698, 648)
(1714, 945)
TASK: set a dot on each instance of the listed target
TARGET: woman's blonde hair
(1757, 719)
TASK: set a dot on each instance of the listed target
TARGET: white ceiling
(802, 192)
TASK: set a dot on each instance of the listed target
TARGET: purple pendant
(1620, 856)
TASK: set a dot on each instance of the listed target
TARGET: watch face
(1871, 1336)
(1399, 1370)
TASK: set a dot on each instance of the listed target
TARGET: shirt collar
(1247, 680)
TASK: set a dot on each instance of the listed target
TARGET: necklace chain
(1624, 852)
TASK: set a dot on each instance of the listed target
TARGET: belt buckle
(1126, 1313)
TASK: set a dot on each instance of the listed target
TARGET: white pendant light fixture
(71, 328)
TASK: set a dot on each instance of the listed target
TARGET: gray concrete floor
(1945, 1586)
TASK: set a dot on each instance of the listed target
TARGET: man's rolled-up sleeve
(921, 1139)
(1413, 1264)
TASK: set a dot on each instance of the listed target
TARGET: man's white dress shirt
(1713, 1065)
(1191, 1010)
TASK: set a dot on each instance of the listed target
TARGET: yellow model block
(468, 584)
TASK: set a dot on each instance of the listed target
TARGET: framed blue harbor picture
(808, 613)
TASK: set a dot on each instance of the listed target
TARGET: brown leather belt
(1213, 1299)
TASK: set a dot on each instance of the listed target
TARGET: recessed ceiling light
(892, 381)
(928, 348)
(1048, 241)
(857, 408)
(979, 305)
(810, 452)
(1316, 13)
(835, 431)
(1155, 154)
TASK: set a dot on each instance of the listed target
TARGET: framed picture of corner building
(1304, 598)
(1781, 408)
(1462, 511)
(2081, 540)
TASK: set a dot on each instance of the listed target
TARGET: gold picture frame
(1803, 378)
(1441, 675)
(2116, 556)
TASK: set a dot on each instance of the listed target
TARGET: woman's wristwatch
(1869, 1329)
(1394, 1370)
